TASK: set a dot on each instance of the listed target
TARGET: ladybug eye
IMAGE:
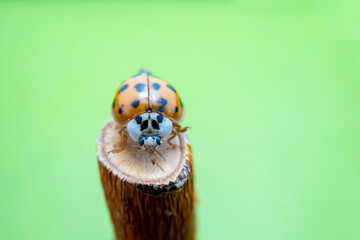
(141, 141)
(158, 140)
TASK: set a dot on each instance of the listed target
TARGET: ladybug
(149, 110)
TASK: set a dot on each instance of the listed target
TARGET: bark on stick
(148, 201)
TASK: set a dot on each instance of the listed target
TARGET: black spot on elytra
(135, 103)
(121, 109)
(140, 87)
(171, 87)
(138, 119)
(160, 118)
(161, 109)
(162, 101)
(144, 125)
(155, 125)
(176, 109)
(125, 86)
(156, 86)
(113, 103)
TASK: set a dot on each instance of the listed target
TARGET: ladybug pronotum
(149, 110)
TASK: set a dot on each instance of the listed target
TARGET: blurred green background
(272, 90)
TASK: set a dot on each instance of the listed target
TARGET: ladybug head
(149, 129)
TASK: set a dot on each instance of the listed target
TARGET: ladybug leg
(115, 151)
(171, 137)
(162, 148)
(138, 147)
(154, 159)
(124, 137)
(183, 129)
(178, 128)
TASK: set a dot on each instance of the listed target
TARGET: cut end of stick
(169, 173)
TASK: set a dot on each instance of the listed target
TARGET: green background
(272, 95)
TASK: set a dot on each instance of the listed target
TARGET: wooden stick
(148, 201)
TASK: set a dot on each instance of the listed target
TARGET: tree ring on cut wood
(132, 165)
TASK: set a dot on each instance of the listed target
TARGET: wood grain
(148, 201)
